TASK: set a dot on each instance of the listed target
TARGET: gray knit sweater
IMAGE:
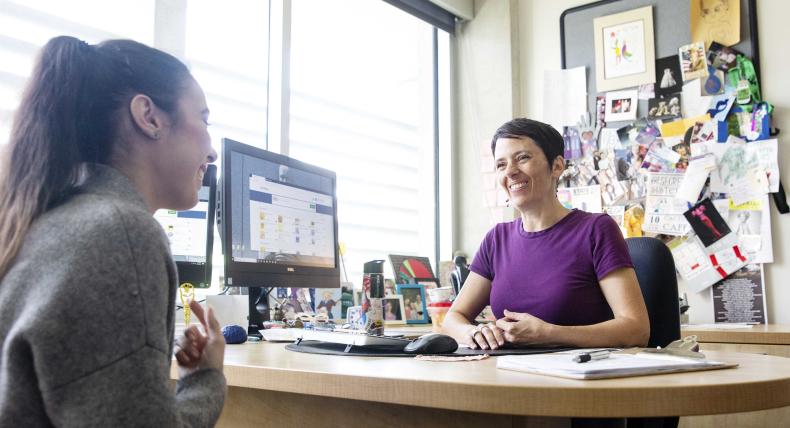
(87, 319)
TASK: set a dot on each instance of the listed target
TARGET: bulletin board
(672, 29)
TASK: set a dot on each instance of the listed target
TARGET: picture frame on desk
(414, 303)
(410, 269)
(394, 311)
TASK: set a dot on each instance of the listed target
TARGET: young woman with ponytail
(104, 136)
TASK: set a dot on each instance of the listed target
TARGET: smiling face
(524, 172)
(184, 151)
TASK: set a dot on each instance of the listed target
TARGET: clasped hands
(514, 327)
(195, 350)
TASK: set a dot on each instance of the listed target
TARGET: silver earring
(156, 135)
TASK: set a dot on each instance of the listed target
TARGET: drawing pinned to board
(717, 20)
(624, 49)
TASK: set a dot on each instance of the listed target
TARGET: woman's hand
(518, 327)
(485, 336)
(198, 351)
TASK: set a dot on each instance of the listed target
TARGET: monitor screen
(280, 220)
(191, 234)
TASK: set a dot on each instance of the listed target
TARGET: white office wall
(538, 47)
(486, 96)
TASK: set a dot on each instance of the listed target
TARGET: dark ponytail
(68, 117)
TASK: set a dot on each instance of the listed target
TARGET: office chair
(655, 270)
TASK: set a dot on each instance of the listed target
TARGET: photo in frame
(414, 303)
(621, 105)
(624, 49)
(394, 312)
(410, 269)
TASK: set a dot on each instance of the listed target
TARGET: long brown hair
(68, 117)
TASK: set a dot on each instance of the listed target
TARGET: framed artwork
(621, 105)
(394, 312)
(414, 303)
(624, 49)
(410, 269)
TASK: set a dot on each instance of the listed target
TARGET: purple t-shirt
(553, 274)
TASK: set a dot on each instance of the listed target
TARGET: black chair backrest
(655, 270)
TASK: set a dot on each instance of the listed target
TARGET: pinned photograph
(621, 105)
(722, 57)
(573, 143)
(611, 188)
(665, 109)
(668, 77)
(693, 63)
(706, 222)
(640, 132)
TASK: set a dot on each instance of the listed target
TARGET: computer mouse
(432, 343)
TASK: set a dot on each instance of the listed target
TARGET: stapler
(686, 347)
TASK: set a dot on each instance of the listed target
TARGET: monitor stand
(259, 310)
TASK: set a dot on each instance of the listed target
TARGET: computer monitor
(191, 234)
(279, 223)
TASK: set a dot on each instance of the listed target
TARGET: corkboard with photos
(689, 152)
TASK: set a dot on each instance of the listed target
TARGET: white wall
(486, 95)
(538, 48)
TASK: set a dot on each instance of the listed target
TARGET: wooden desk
(268, 383)
(771, 339)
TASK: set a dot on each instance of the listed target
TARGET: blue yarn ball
(234, 334)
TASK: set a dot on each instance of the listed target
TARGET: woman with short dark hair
(553, 276)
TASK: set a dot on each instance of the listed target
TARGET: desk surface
(761, 382)
(770, 334)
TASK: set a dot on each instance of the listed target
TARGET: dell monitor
(279, 223)
(191, 233)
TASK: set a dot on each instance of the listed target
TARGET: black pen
(592, 355)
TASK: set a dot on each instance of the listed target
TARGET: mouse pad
(325, 348)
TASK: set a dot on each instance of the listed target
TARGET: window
(226, 48)
(353, 87)
(361, 104)
(26, 25)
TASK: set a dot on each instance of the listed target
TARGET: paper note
(679, 127)
(751, 221)
(741, 297)
(564, 96)
(587, 198)
(692, 102)
(663, 211)
(739, 164)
